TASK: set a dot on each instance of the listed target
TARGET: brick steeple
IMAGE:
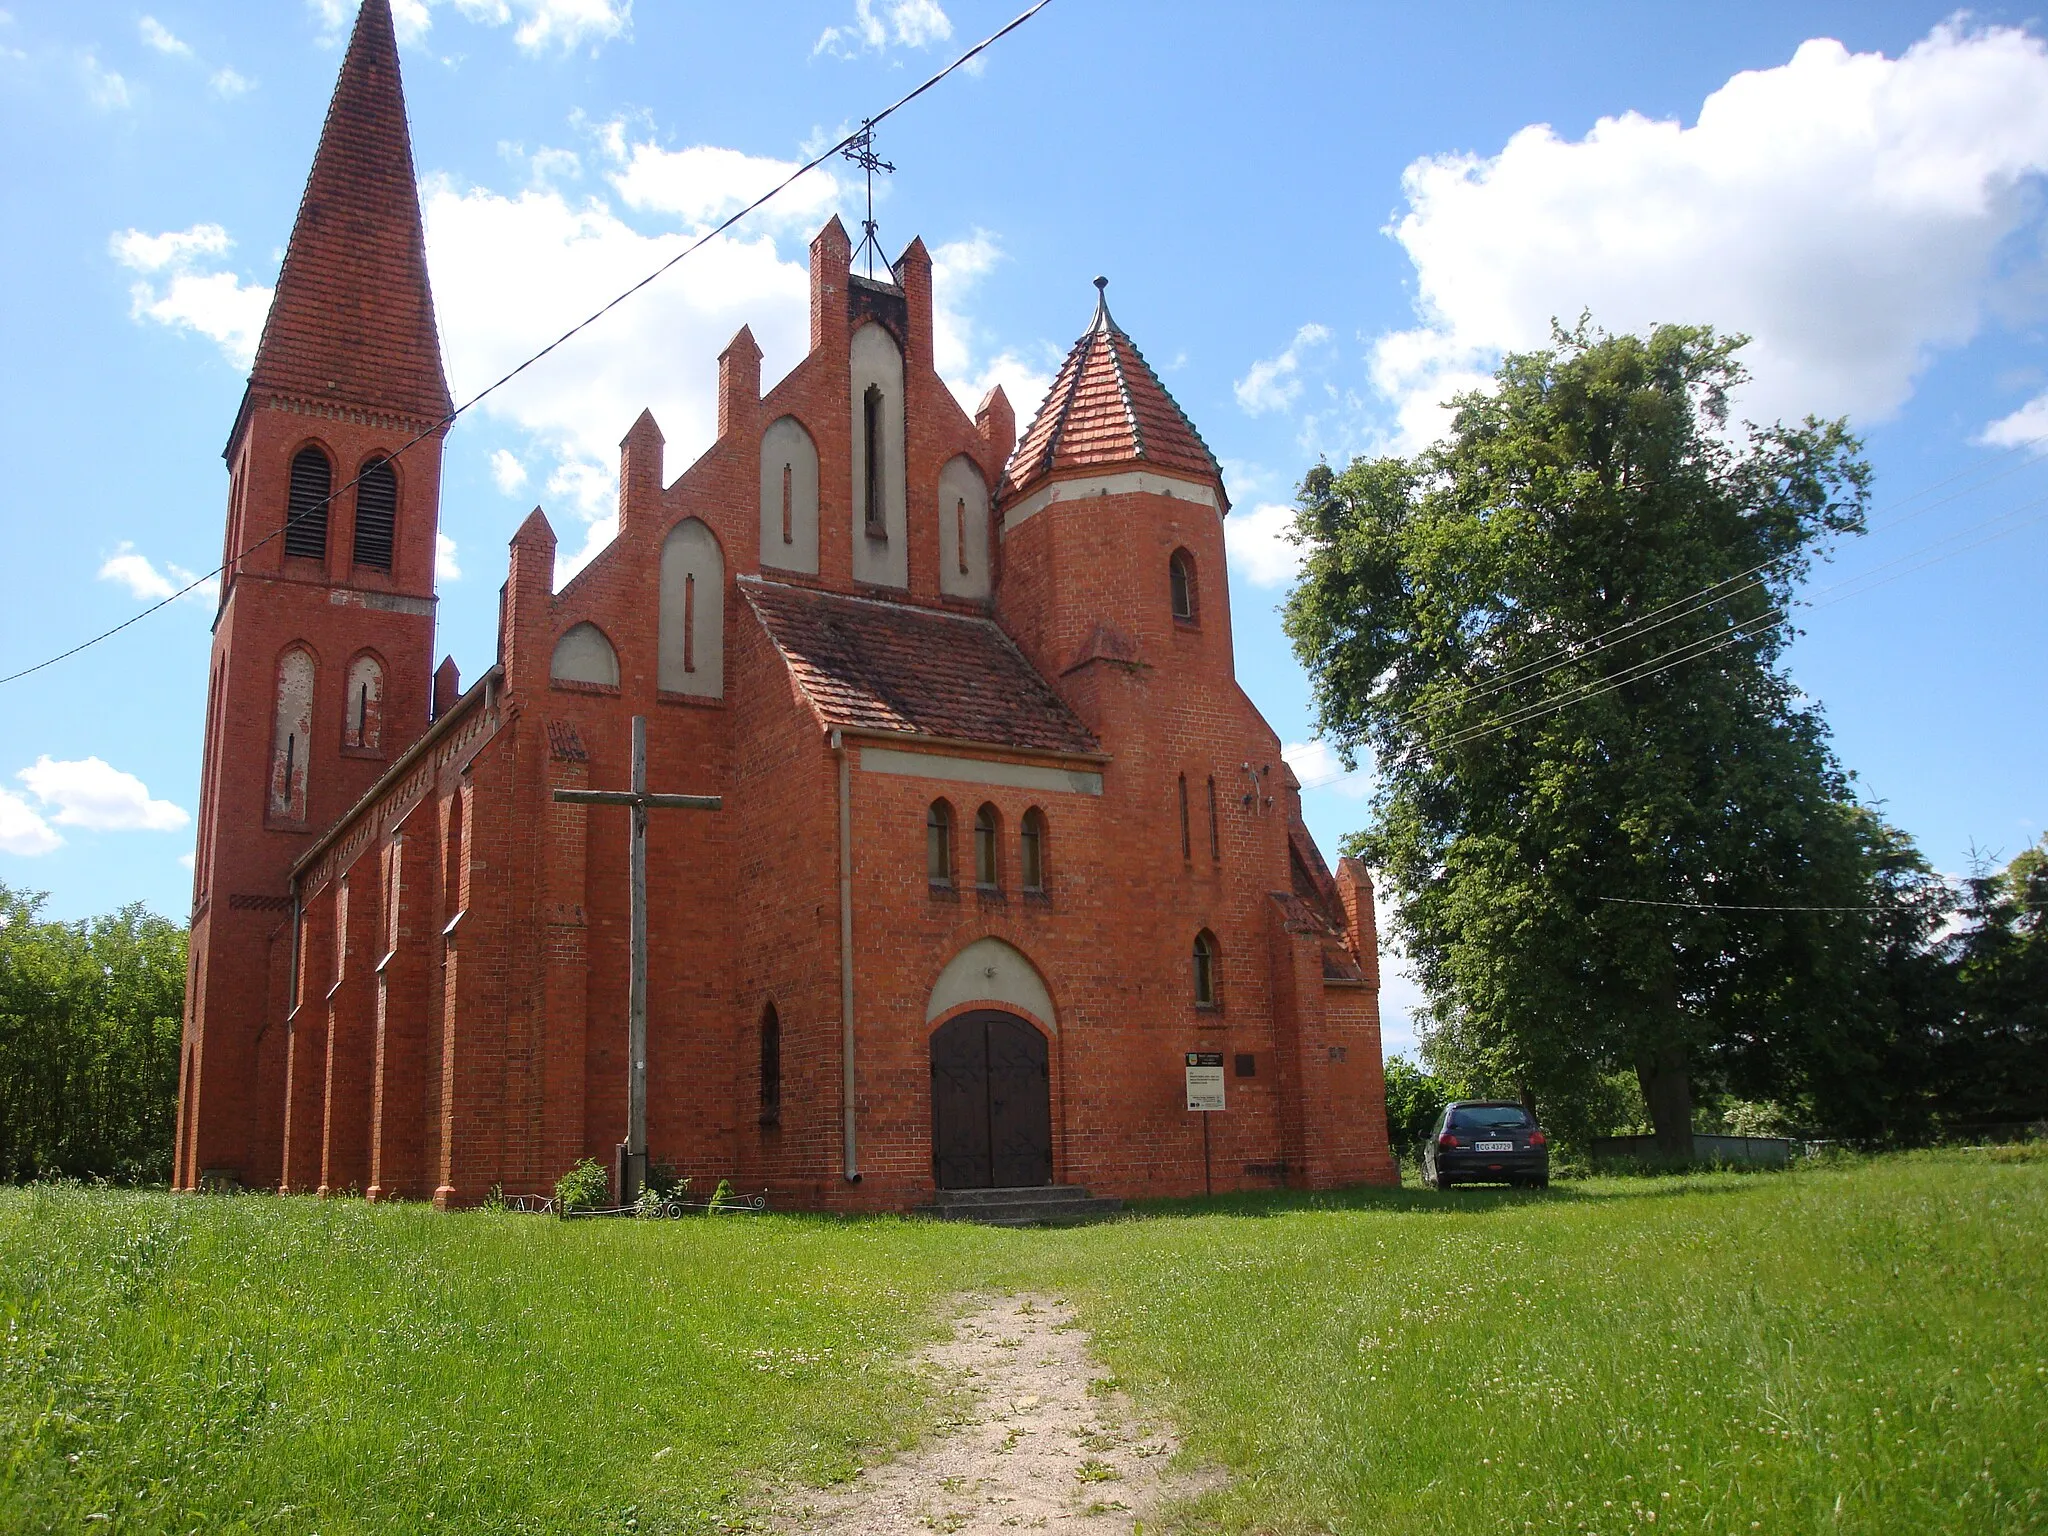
(1107, 407)
(353, 319)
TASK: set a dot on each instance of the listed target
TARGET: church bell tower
(322, 649)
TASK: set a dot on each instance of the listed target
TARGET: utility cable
(867, 125)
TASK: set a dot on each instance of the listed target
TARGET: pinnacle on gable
(1107, 407)
(536, 530)
(352, 321)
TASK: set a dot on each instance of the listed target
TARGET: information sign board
(1205, 1080)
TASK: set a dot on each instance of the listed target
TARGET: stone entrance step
(1044, 1205)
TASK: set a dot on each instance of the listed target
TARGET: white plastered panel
(789, 462)
(990, 971)
(876, 362)
(692, 651)
(963, 530)
(583, 655)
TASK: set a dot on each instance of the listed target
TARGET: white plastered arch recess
(990, 971)
(789, 467)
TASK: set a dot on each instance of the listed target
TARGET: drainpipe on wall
(849, 1146)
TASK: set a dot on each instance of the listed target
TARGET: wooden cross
(632, 1170)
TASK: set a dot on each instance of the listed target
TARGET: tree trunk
(1667, 1091)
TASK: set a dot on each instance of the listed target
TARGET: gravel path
(1048, 1444)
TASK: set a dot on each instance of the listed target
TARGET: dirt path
(1048, 1444)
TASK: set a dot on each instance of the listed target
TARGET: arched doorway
(991, 1103)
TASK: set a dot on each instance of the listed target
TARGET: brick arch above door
(995, 974)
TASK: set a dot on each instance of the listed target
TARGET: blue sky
(1317, 220)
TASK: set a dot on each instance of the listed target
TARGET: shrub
(586, 1187)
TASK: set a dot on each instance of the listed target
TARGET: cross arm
(627, 797)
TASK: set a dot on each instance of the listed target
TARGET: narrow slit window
(1215, 835)
(788, 506)
(986, 870)
(362, 715)
(305, 524)
(876, 521)
(938, 843)
(1031, 848)
(690, 623)
(960, 531)
(1186, 848)
(771, 1066)
(376, 514)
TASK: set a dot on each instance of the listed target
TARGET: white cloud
(103, 87)
(186, 861)
(957, 267)
(507, 472)
(228, 82)
(1850, 212)
(1274, 383)
(1259, 547)
(539, 25)
(446, 567)
(146, 583)
(176, 248)
(93, 794)
(512, 273)
(2027, 425)
(217, 305)
(22, 831)
(703, 184)
(163, 40)
(912, 23)
(1317, 765)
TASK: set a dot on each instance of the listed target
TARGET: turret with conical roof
(322, 651)
(1111, 513)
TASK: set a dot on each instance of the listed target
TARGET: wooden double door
(991, 1103)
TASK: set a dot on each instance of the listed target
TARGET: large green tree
(90, 1017)
(1560, 634)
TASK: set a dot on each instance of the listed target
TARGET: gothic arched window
(938, 843)
(305, 517)
(1031, 848)
(376, 514)
(292, 735)
(1205, 969)
(987, 833)
(362, 728)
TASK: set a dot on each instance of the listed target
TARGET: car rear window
(1490, 1117)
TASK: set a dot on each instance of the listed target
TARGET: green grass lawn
(1861, 1348)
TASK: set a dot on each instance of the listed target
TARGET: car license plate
(1493, 1146)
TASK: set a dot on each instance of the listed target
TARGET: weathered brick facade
(857, 602)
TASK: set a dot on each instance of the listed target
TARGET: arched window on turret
(305, 517)
(376, 514)
(291, 736)
(1181, 574)
(362, 727)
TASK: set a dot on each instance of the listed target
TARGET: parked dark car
(1485, 1142)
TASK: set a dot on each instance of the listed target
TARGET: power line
(1853, 586)
(1635, 628)
(867, 127)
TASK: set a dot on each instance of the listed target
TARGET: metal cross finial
(862, 153)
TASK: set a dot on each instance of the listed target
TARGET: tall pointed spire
(353, 318)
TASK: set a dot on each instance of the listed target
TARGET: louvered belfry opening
(376, 514)
(305, 523)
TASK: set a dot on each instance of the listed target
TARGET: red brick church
(1000, 840)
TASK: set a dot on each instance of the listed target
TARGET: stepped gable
(353, 317)
(1107, 406)
(875, 666)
